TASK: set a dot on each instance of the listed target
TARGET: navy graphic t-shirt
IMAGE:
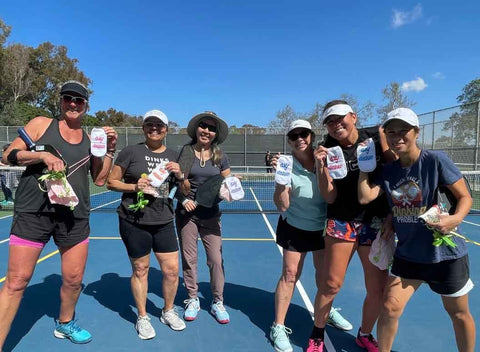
(412, 191)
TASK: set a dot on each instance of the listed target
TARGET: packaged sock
(158, 175)
(336, 163)
(367, 160)
(283, 173)
(98, 142)
(235, 188)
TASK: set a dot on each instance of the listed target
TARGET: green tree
(470, 93)
(464, 122)
(393, 98)
(4, 32)
(16, 75)
(19, 113)
(112, 117)
(52, 67)
(284, 117)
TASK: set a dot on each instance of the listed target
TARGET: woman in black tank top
(36, 220)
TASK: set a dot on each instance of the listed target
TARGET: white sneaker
(171, 318)
(144, 328)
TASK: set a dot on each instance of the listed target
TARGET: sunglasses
(294, 136)
(334, 119)
(158, 125)
(77, 100)
(205, 126)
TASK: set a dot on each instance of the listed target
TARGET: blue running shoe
(279, 337)
(71, 331)
(220, 313)
(192, 306)
(336, 320)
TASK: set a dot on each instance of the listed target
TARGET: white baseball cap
(299, 124)
(156, 114)
(403, 114)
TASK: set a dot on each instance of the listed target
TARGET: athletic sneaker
(192, 306)
(368, 342)
(279, 337)
(336, 320)
(315, 345)
(144, 328)
(219, 312)
(171, 318)
(71, 331)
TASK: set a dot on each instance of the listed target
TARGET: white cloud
(438, 75)
(416, 85)
(401, 18)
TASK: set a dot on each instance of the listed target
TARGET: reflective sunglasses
(205, 126)
(334, 119)
(77, 100)
(302, 134)
(158, 125)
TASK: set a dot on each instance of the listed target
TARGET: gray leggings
(210, 232)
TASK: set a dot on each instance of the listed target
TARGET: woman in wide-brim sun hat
(200, 160)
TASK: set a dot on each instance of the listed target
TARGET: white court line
(308, 303)
(470, 223)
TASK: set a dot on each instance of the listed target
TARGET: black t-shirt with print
(346, 206)
(137, 160)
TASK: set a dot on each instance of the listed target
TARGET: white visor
(338, 109)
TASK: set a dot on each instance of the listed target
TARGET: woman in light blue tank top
(299, 230)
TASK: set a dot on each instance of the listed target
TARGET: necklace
(202, 158)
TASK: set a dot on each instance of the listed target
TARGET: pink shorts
(18, 241)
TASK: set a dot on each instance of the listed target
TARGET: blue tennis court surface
(252, 265)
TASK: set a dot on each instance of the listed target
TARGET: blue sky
(246, 60)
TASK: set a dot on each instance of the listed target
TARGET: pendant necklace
(202, 158)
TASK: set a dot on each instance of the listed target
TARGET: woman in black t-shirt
(350, 226)
(150, 227)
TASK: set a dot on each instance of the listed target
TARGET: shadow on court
(259, 306)
(39, 300)
(113, 292)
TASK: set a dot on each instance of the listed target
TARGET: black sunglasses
(158, 125)
(77, 100)
(294, 136)
(205, 126)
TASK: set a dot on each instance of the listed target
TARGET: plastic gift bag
(381, 251)
(61, 192)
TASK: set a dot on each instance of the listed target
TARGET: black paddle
(208, 193)
(32, 146)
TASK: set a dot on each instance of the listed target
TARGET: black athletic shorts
(297, 240)
(444, 278)
(40, 227)
(140, 240)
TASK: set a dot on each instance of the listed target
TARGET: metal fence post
(477, 136)
(245, 146)
(433, 131)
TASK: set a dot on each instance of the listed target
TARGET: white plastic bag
(381, 251)
(61, 192)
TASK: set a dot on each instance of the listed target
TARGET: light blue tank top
(308, 209)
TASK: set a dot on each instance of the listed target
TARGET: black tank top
(30, 199)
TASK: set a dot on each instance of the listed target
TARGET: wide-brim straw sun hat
(222, 127)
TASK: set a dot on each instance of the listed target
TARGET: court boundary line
(39, 260)
(306, 300)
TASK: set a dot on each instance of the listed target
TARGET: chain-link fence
(454, 130)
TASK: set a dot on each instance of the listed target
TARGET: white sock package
(158, 175)
(336, 163)
(367, 160)
(283, 173)
(98, 142)
(235, 188)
